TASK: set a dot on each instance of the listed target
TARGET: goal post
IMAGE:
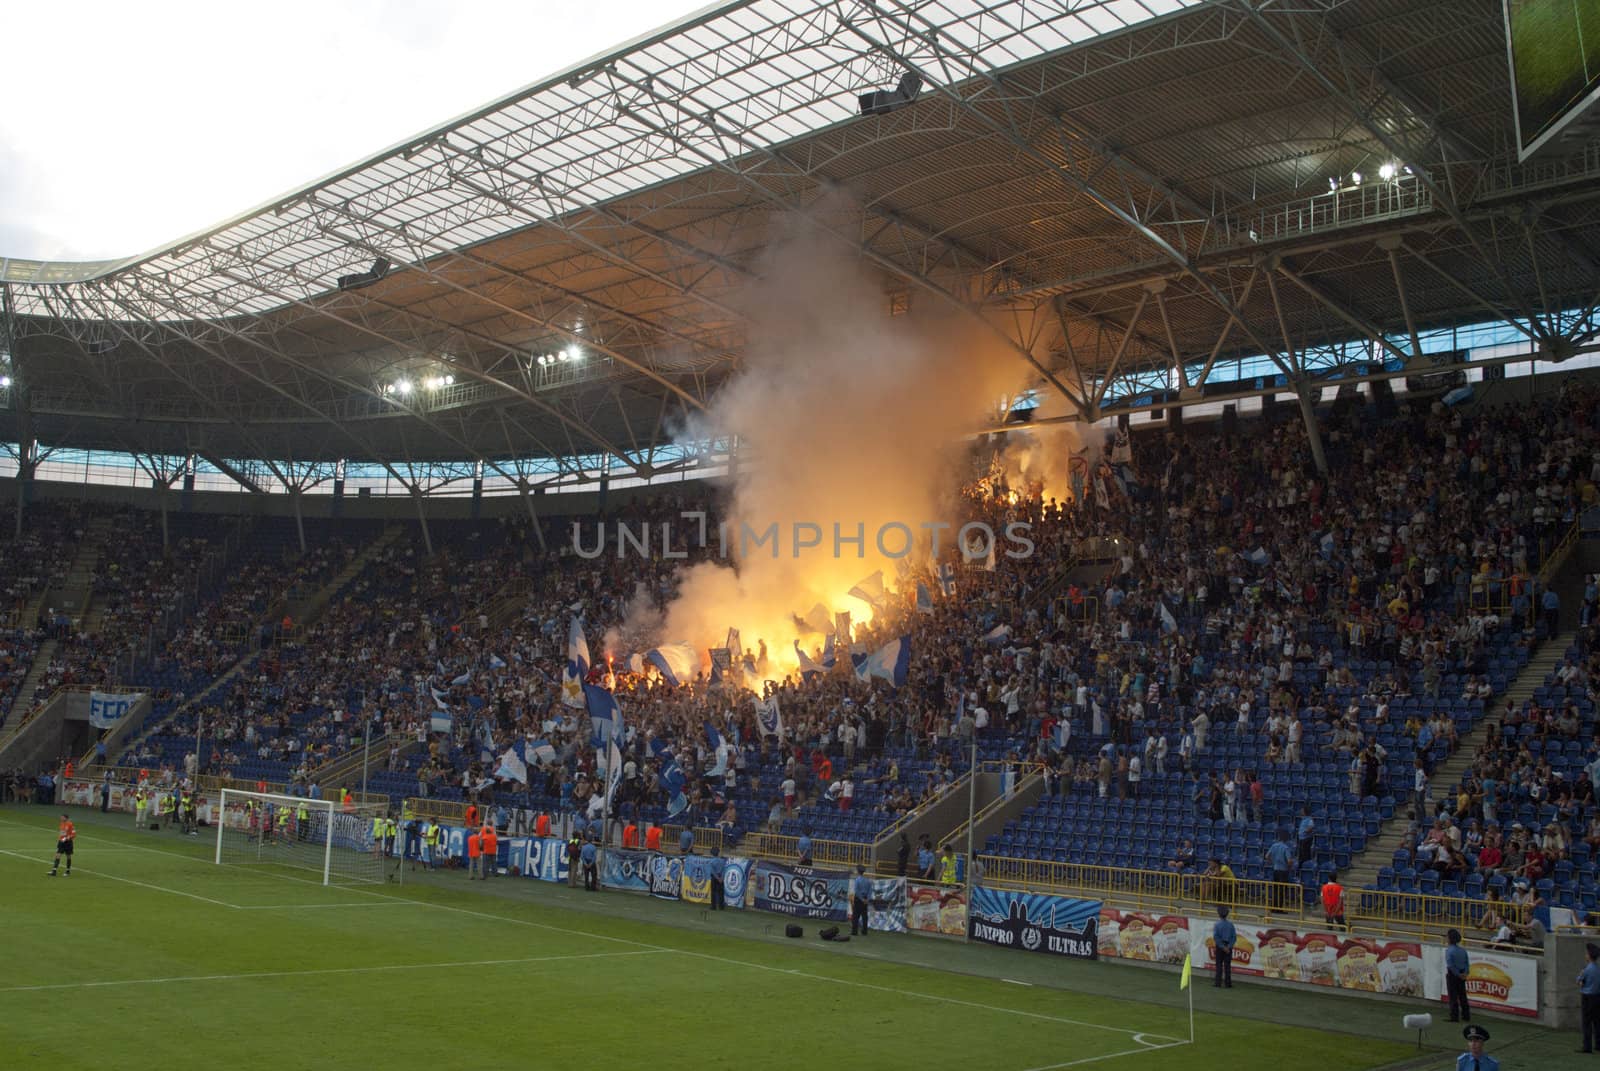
(339, 844)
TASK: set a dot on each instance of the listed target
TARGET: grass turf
(149, 953)
(1551, 41)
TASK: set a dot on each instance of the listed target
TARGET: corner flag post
(1183, 983)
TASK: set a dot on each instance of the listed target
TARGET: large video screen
(1555, 65)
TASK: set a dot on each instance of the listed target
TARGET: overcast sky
(130, 125)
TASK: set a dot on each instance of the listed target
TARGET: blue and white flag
(768, 718)
(1259, 556)
(465, 678)
(1168, 622)
(721, 663)
(890, 662)
(514, 763)
(678, 662)
(735, 648)
(830, 657)
(605, 715)
(541, 752)
(947, 580)
(440, 722)
(924, 599)
(808, 665)
(577, 667)
(713, 737)
(496, 662)
(869, 590)
(997, 636)
(613, 771)
(677, 805)
(440, 700)
(1061, 735)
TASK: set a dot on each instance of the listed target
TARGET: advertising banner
(1034, 922)
(936, 909)
(1496, 981)
(1143, 935)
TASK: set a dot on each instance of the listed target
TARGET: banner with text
(1035, 922)
(697, 873)
(809, 893)
(1496, 981)
(626, 870)
(107, 708)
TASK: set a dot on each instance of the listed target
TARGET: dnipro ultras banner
(810, 893)
(1034, 922)
(543, 858)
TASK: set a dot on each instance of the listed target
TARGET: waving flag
(735, 648)
(1168, 622)
(869, 590)
(829, 656)
(440, 722)
(890, 662)
(577, 667)
(808, 665)
(440, 700)
(541, 752)
(768, 717)
(841, 626)
(613, 771)
(713, 737)
(924, 599)
(947, 580)
(496, 662)
(514, 763)
(465, 678)
(998, 635)
(721, 663)
(678, 662)
(605, 715)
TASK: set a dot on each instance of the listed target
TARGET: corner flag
(1183, 979)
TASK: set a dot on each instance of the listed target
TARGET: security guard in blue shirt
(1589, 992)
(591, 878)
(1474, 1058)
(1222, 937)
(860, 901)
(1279, 854)
(1456, 968)
(803, 848)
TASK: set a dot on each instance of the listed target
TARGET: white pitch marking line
(1109, 1056)
(1013, 981)
(315, 907)
(127, 881)
(328, 970)
(707, 955)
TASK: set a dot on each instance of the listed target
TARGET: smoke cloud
(849, 417)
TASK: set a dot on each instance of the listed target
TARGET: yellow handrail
(823, 852)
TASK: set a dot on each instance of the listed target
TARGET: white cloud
(128, 126)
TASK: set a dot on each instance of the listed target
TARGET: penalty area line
(125, 881)
(1112, 1055)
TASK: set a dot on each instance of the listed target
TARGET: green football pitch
(1556, 46)
(151, 956)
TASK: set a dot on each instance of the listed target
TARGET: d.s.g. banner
(1033, 922)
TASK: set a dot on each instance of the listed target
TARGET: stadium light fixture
(1355, 177)
(404, 386)
(571, 353)
(1333, 185)
(5, 381)
(1386, 172)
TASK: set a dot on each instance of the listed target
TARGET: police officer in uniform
(860, 901)
(591, 878)
(1222, 938)
(1474, 1058)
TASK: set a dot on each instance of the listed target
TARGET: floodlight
(1386, 172)
(571, 353)
(1355, 177)
(5, 381)
(404, 386)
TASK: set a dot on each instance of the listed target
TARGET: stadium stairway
(24, 704)
(1380, 849)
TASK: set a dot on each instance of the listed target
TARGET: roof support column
(422, 517)
(1303, 388)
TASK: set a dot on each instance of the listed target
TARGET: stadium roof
(1117, 188)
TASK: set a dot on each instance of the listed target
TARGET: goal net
(339, 844)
